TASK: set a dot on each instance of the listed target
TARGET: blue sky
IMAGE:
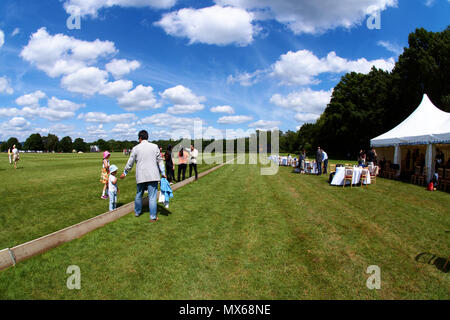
(161, 65)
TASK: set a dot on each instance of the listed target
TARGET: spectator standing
(325, 162)
(170, 166)
(15, 154)
(193, 162)
(361, 158)
(319, 157)
(10, 155)
(182, 163)
(149, 169)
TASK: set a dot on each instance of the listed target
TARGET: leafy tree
(65, 145)
(80, 145)
(102, 144)
(34, 143)
(9, 144)
(50, 142)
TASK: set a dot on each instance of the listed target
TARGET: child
(112, 187)
(105, 173)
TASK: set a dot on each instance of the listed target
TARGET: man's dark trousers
(319, 168)
(325, 166)
(193, 165)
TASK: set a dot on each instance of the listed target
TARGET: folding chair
(348, 176)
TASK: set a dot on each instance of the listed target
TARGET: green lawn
(49, 192)
(238, 235)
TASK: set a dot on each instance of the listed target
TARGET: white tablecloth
(338, 179)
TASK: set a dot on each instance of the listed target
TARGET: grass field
(239, 235)
(49, 192)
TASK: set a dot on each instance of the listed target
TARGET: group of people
(321, 160)
(150, 170)
(369, 158)
(13, 155)
(184, 156)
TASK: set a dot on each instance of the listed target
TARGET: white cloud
(9, 112)
(430, 3)
(306, 117)
(184, 100)
(91, 7)
(5, 86)
(64, 105)
(2, 38)
(211, 25)
(246, 79)
(265, 125)
(223, 109)
(101, 117)
(169, 121)
(125, 130)
(87, 81)
(185, 109)
(96, 132)
(234, 119)
(181, 95)
(119, 68)
(15, 32)
(117, 88)
(31, 99)
(306, 16)
(141, 98)
(304, 101)
(54, 115)
(394, 48)
(302, 67)
(16, 124)
(62, 55)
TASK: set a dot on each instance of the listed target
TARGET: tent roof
(427, 124)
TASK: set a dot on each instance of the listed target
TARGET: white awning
(427, 124)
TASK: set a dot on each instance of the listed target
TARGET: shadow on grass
(161, 210)
(441, 264)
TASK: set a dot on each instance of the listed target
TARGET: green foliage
(65, 145)
(34, 143)
(80, 145)
(50, 142)
(9, 144)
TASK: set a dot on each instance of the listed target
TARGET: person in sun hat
(113, 189)
(105, 174)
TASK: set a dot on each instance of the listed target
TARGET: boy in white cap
(112, 187)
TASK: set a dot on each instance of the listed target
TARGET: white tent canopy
(427, 125)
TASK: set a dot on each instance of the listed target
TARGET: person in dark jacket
(319, 157)
(170, 166)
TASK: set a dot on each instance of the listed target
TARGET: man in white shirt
(193, 154)
(325, 161)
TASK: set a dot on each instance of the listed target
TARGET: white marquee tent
(427, 125)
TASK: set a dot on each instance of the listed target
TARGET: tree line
(51, 143)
